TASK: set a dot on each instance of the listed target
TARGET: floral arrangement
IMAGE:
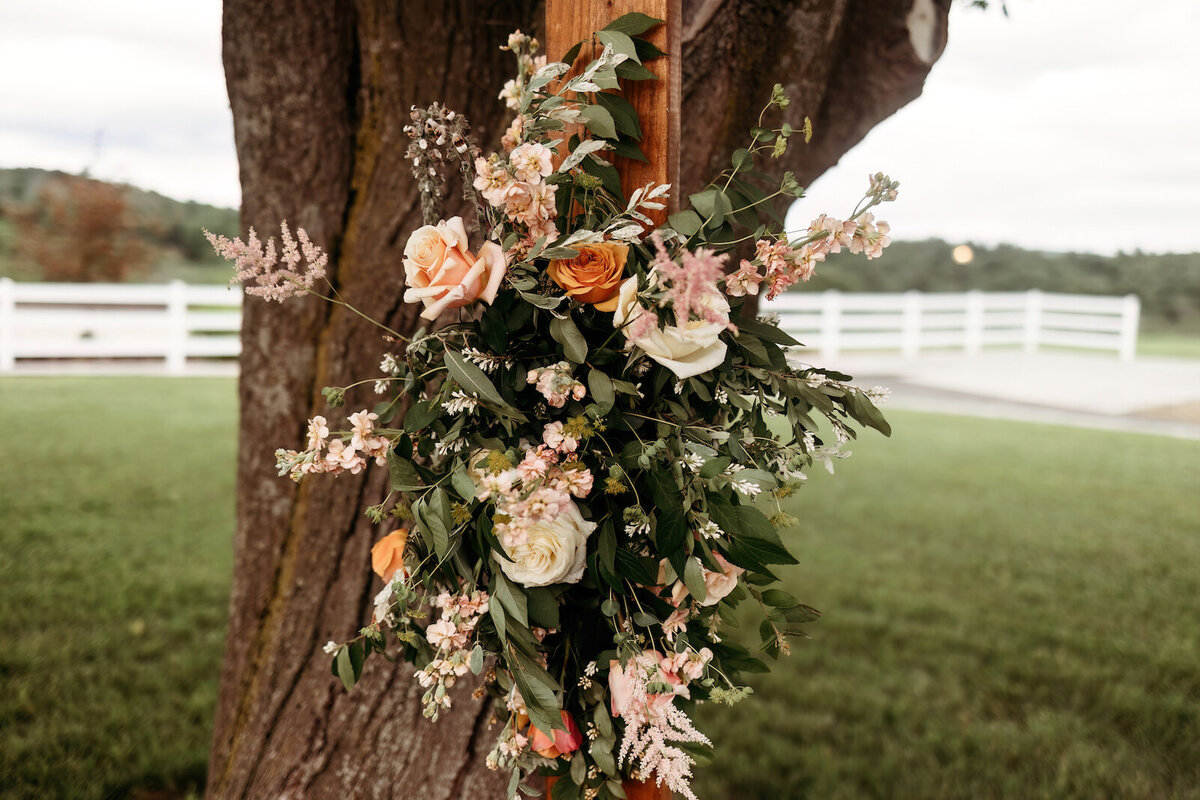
(587, 463)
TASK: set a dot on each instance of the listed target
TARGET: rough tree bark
(320, 91)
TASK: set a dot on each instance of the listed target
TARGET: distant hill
(170, 231)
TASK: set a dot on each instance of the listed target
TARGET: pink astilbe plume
(260, 266)
(654, 727)
(692, 283)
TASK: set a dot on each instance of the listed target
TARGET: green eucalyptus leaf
(601, 387)
(620, 43)
(686, 222)
(472, 379)
(566, 333)
(599, 121)
(402, 473)
(693, 579)
(633, 24)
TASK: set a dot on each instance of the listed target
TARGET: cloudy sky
(1071, 124)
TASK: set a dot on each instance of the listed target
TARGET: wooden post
(8, 310)
(1033, 320)
(656, 102)
(1130, 312)
(177, 332)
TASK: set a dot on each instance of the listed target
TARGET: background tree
(320, 91)
(78, 229)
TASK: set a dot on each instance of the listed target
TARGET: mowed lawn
(116, 525)
(1010, 610)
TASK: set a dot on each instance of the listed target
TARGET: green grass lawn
(1170, 343)
(116, 522)
(1010, 610)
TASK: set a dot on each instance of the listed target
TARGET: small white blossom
(745, 487)
(331, 647)
(459, 402)
(879, 394)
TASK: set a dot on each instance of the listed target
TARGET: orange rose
(387, 556)
(593, 276)
(564, 742)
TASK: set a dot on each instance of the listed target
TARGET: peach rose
(593, 276)
(564, 742)
(442, 273)
(717, 585)
(387, 556)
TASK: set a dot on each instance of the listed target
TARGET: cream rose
(442, 273)
(554, 552)
(686, 350)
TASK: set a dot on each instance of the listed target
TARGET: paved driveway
(1151, 395)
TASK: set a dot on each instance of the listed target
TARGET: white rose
(555, 552)
(686, 350)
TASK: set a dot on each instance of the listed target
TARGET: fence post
(1130, 313)
(1033, 320)
(910, 325)
(8, 310)
(177, 333)
(973, 323)
(831, 323)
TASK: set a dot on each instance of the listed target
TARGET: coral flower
(387, 556)
(564, 742)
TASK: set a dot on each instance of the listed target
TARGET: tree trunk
(320, 91)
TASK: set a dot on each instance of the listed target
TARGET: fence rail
(833, 322)
(178, 323)
(174, 322)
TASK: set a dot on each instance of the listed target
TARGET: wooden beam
(656, 102)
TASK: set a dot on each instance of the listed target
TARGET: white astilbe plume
(259, 267)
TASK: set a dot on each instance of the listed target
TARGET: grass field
(1010, 610)
(1180, 343)
(116, 531)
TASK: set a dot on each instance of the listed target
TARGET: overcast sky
(1071, 124)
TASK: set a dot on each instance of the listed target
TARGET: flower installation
(590, 446)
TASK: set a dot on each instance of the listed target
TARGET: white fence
(172, 321)
(177, 322)
(913, 321)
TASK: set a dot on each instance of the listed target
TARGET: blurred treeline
(1168, 284)
(60, 227)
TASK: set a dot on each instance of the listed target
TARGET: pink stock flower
(531, 162)
(554, 437)
(493, 181)
(341, 456)
(743, 282)
(532, 466)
